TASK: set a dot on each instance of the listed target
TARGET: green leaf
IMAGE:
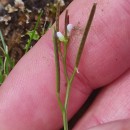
(34, 34)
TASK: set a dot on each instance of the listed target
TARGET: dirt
(17, 19)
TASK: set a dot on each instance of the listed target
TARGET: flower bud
(60, 36)
(69, 29)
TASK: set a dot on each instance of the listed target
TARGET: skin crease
(27, 97)
(116, 125)
(112, 104)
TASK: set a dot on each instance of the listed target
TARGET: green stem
(57, 16)
(69, 83)
(66, 22)
(57, 52)
(65, 121)
(69, 87)
(63, 110)
(68, 80)
(86, 31)
(64, 113)
(5, 65)
(35, 28)
(3, 42)
(64, 63)
(60, 102)
(57, 64)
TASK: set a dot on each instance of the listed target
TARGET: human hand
(27, 97)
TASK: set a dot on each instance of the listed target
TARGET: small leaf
(35, 35)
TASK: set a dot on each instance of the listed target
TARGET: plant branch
(87, 28)
(58, 52)
(3, 42)
(79, 53)
(56, 62)
(35, 28)
(66, 22)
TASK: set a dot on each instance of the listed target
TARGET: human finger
(113, 103)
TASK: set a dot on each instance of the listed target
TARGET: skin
(115, 125)
(27, 97)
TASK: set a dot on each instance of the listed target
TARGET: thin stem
(5, 65)
(57, 51)
(2, 50)
(69, 87)
(65, 122)
(64, 113)
(56, 62)
(5, 50)
(64, 64)
(60, 102)
(35, 28)
(3, 42)
(79, 54)
(57, 27)
(66, 22)
(57, 16)
(87, 28)
(65, 46)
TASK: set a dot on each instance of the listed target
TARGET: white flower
(69, 29)
(60, 36)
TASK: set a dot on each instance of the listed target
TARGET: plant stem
(58, 81)
(65, 121)
(3, 42)
(60, 102)
(69, 83)
(66, 22)
(64, 63)
(87, 28)
(69, 87)
(57, 52)
(57, 16)
(56, 62)
(35, 28)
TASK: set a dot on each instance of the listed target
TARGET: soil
(17, 19)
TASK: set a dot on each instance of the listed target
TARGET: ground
(17, 19)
